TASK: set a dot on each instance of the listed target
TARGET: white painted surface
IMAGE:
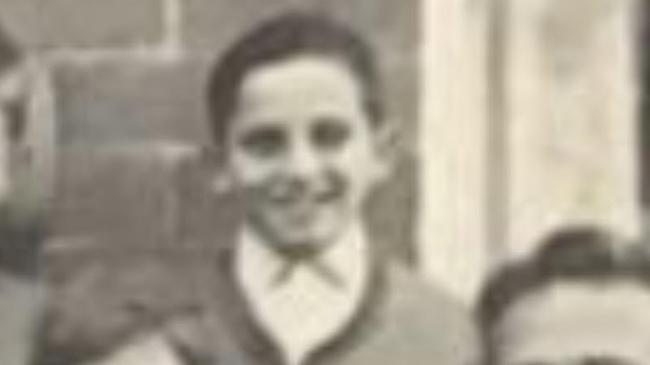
(452, 143)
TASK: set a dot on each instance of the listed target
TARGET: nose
(304, 162)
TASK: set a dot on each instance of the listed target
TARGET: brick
(136, 197)
(130, 101)
(389, 25)
(83, 23)
(119, 197)
(214, 24)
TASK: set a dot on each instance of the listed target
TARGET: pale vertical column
(572, 108)
(452, 144)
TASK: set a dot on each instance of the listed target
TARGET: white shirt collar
(303, 304)
(152, 349)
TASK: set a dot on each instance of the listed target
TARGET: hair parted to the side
(581, 254)
(282, 37)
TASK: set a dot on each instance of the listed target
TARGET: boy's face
(578, 324)
(302, 150)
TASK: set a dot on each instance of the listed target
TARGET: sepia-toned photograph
(324, 182)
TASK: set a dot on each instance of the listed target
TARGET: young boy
(297, 116)
(302, 140)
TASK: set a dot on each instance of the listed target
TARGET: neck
(298, 252)
(302, 251)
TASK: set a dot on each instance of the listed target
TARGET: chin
(289, 234)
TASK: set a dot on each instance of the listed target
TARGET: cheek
(249, 171)
(357, 164)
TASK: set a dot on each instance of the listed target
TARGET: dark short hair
(289, 35)
(578, 254)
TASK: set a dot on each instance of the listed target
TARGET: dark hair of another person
(283, 37)
(580, 254)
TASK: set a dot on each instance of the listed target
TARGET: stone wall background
(127, 87)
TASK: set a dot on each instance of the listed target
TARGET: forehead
(300, 81)
(574, 320)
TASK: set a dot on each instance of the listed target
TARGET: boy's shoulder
(431, 315)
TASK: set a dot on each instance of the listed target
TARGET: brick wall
(127, 81)
(133, 70)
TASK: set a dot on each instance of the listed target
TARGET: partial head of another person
(296, 111)
(583, 299)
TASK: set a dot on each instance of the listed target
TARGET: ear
(216, 164)
(388, 148)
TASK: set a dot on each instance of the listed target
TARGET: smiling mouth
(303, 209)
(306, 205)
(305, 198)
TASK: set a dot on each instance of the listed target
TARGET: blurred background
(518, 117)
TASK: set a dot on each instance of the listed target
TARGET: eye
(330, 132)
(264, 141)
